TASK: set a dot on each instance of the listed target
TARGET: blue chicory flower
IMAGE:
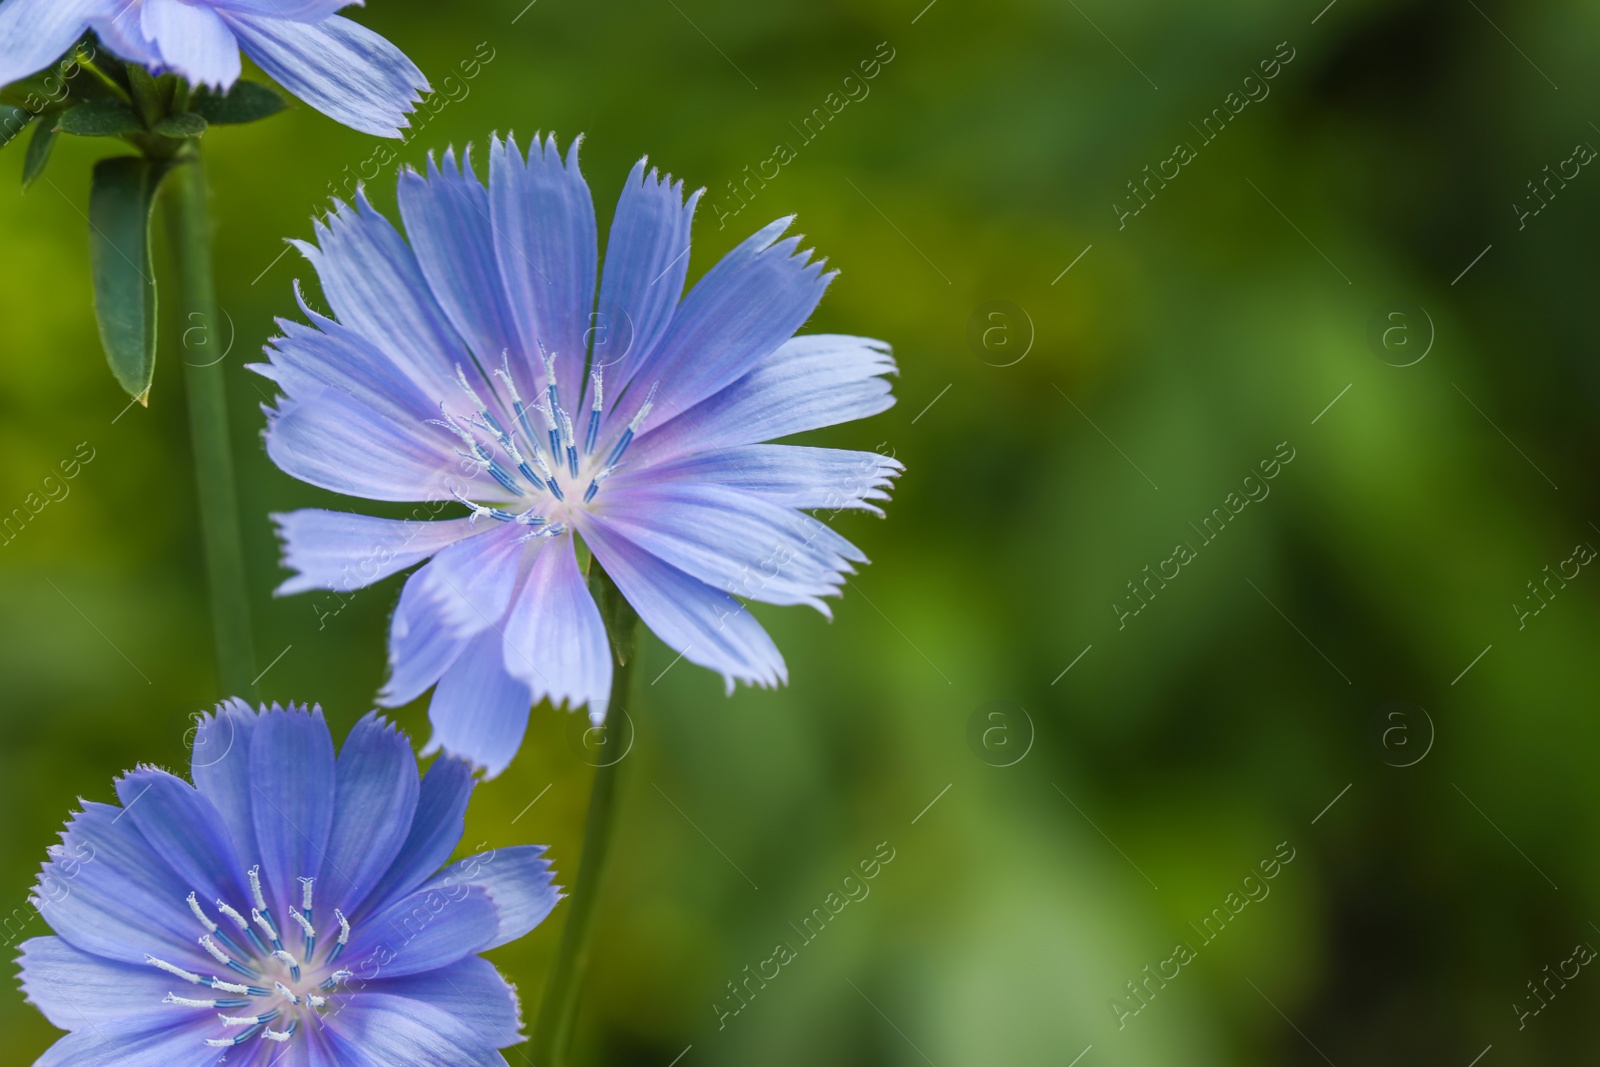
(286, 905)
(339, 67)
(475, 365)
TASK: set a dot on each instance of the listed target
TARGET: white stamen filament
(316, 1001)
(344, 927)
(305, 924)
(185, 1002)
(287, 993)
(246, 1020)
(231, 987)
(173, 969)
(194, 906)
(255, 887)
(261, 921)
(644, 409)
(283, 957)
(238, 920)
(216, 953)
(305, 893)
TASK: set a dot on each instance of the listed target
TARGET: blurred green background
(1052, 454)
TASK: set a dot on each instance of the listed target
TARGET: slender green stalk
(552, 1035)
(189, 231)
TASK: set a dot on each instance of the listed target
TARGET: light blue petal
(808, 383)
(705, 626)
(154, 1040)
(647, 260)
(471, 990)
(429, 929)
(292, 772)
(379, 1030)
(372, 282)
(35, 33)
(298, 10)
(744, 308)
(220, 768)
(341, 444)
(194, 41)
(437, 827)
(555, 640)
(546, 244)
(479, 712)
(794, 476)
(75, 989)
(118, 28)
(461, 592)
(307, 361)
(185, 830)
(105, 891)
(339, 67)
(373, 806)
(734, 540)
(519, 881)
(447, 221)
(345, 552)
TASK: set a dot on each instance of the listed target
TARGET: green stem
(552, 1035)
(189, 232)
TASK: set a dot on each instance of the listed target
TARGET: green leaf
(120, 204)
(103, 118)
(44, 139)
(13, 120)
(245, 102)
(186, 124)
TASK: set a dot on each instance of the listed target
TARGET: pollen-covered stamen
(227, 1042)
(187, 1002)
(549, 359)
(479, 455)
(594, 483)
(260, 899)
(599, 379)
(225, 959)
(288, 994)
(282, 1035)
(344, 936)
(244, 928)
(194, 906)
(283, 957)
(336, 977)
(316, 1002)
(567, 443)
(249, 1020)
(304, 918)
(174, 970)
(518, 405)
(483, 409)
(235, 988)
(549, 531)
(634, 426)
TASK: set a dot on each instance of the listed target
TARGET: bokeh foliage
(1196, 339)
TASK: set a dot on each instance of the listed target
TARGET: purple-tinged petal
(555, 640)
(337, 442)
(647, 260)
(809, 382)
(429, 929)
(437, 827)
(447, 220)
(795, 476)
(379, 1030)
(345, 552)
(546, 244)
(372, 282)
(339, 67)
(292, 774)
(479, 711)
(519, 881)
(185, 830)
(75, 989)
(471, 990)
(703, 625)
(461, 592)
(374, 803)
(295, 10)
(734, 541)
(220, 768)
(327, 356)
(154, 1040)
(194, 41)
(105, 891)
(744, 308)
(36, 32)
